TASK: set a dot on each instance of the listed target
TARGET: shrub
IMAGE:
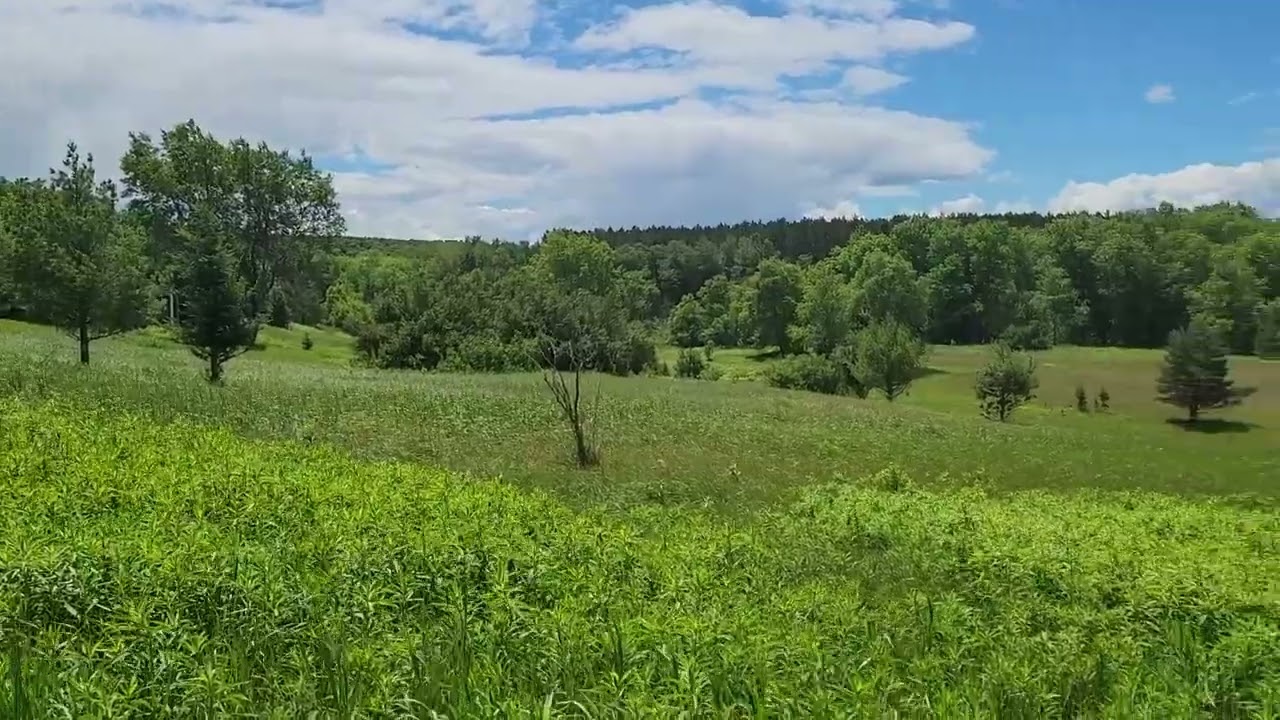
(307, 342)
(279, 314)
(1007, 381)
(1103, 401)
(486, 353)
(709, 350)
(690, 364)
(888, 356)
(809, 372)
(711, 373)
(1082, 399)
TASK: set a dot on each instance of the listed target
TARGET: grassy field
(732, 445)
(178, 571)
(317, 538)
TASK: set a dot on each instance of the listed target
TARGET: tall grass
(735, 446)
(167, 570)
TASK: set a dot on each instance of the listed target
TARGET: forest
(237, 233)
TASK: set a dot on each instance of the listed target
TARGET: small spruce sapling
(1082, 399)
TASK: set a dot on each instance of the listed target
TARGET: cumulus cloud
(842, 209)
(867, 80)
(968, 204)
(1253, 183)
(449, 101)
(1160, 93)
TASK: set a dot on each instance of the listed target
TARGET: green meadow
(320, 540)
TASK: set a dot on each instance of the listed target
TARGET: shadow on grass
(927, 371)
(1212, 426)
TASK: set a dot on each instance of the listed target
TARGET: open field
(318, 537)
(732, 445)
(172, 570)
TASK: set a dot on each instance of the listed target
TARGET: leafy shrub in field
(1007, 381)
(307, 342)
(199, 574)
(711, 373)
(689, 364)
(809, 372)
(487, 353)
(1082, 399)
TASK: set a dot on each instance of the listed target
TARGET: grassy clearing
(175, 570)
(732, 445)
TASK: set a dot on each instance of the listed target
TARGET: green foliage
(1007, 381)
(83, 271)
(886, 286)
(690, 363)
(813, 373)
(158, 582)
(1267, 343)
(825, 318)
(1194, 374)
(216, 321)
(779, 290)
(1103, 402)
(687, 325)
(888, 356)
(1082, 399)
(264, 202)
(307, 342)
(279, 314)
(1230, 297)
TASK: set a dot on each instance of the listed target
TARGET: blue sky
(441, 118)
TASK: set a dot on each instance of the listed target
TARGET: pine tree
(215, 322)
(85, 273)
(1194, 375)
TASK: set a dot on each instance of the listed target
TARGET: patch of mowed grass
(173, 570)
(733, 446)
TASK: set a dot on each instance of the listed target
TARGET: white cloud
(845, 8)
(347, 74)
(968, 204)
(1245, 98)
(1159, 93)
(842, 209)
(733, 47)
(1253, 183)
(867, 80)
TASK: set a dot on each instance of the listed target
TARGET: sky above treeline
(444, 118)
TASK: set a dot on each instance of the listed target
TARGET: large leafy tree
(1194, 374)
(263, 201)
(887, 286)
(779, 290)
(1230, 297)
(84, 271)
(825, 318)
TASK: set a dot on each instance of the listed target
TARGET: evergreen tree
(216, 321)
(1267, 344)
(1006, 382)
(888, 356)
(85, 271)
(1194, 375)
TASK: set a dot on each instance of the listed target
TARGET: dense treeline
(96, 258)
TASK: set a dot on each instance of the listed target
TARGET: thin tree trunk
(215, 369)
(84, 344)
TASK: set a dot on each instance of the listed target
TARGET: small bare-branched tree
(564, 364)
